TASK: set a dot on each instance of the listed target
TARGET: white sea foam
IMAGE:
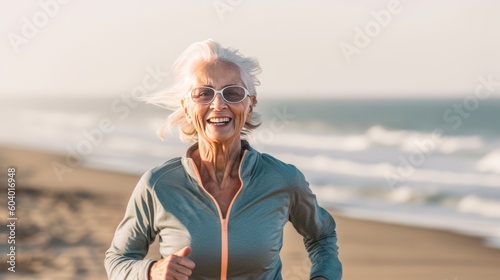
(490, 162)
(474, 204)
(381, 170)
(410, 141)
(403, 194)
(322, 142)
(405, 140)
(380, 135)
(455, 144)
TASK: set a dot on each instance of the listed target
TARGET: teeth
(219, 120)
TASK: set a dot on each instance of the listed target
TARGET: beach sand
(65, 227)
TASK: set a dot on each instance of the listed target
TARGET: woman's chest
(223, 193)
(251, 230)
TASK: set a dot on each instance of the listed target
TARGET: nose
(218, 103)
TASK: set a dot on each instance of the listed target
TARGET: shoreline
(66, 226)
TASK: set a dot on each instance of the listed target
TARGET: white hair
(183, 71)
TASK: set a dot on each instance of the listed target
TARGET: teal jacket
(170, 202)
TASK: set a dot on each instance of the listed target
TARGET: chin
(222, 138)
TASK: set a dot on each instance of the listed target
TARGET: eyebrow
(210, 86)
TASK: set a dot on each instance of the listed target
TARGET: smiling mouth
(219, 121)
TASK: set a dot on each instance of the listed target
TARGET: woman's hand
(176, 266)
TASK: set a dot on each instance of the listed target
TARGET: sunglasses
(230, 94)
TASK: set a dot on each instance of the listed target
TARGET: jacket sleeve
(317, 227)
(125, 258)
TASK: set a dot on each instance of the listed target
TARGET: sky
(318, 48)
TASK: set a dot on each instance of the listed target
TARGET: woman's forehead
(217, 73)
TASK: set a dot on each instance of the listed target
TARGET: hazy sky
(306, 48)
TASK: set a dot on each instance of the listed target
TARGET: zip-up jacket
(170, 202)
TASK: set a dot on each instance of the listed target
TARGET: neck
(218, 160)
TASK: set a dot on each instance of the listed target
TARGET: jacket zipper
(223, 221)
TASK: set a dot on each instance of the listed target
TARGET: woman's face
(218, 121)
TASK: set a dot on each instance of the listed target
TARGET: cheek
(196, 115)
(198, 120)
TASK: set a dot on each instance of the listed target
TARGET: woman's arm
(317, 227)
(125, 258)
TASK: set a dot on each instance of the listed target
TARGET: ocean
(431, 163)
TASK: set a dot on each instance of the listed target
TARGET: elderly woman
(219, 210)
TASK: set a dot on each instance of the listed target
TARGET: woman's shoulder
(276, 162)
(167, 168)
(270, 163)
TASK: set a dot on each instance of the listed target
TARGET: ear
(186, 111)
(253, 101)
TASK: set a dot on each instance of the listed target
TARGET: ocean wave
(478, 205)
(322, 142)
(388, 171)
(425, 216)
(460, 202)
(410, 141)
(405, 194)
(406, 141)
(490, 162)
(471, 214)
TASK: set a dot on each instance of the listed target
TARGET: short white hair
(183, 71)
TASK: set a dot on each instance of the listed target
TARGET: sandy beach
(64, 228)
